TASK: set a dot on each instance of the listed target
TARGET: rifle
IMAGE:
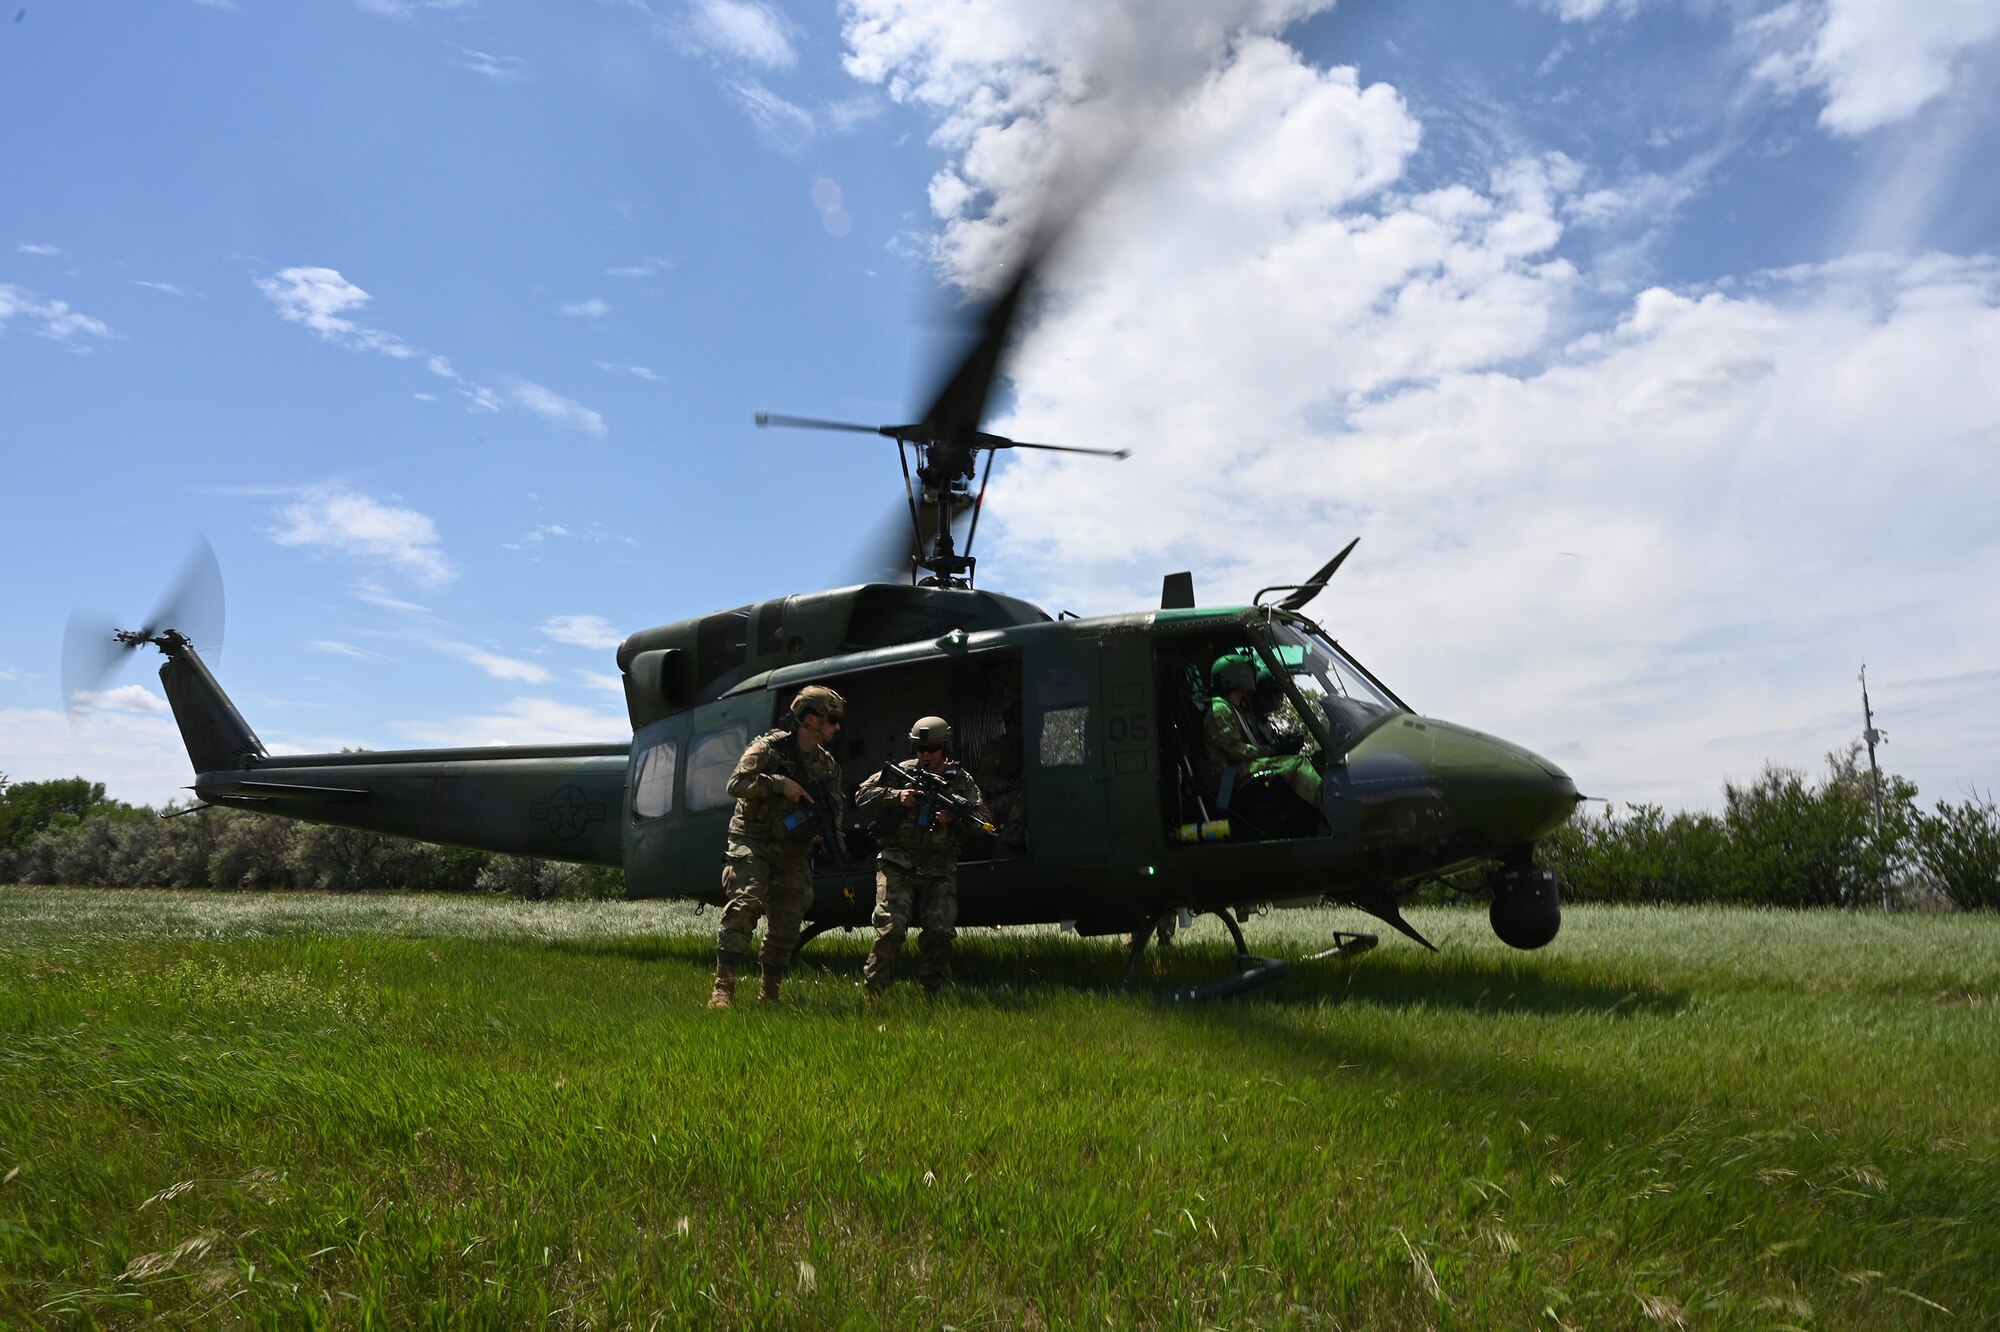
(933, 795)
(816, 818)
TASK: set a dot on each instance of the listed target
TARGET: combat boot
(725, 987)
(767, 986)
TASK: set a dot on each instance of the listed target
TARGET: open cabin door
(677, 802)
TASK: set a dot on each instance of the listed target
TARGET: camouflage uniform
(1236, 734)
(916, 879)
(999, 776)
(766, 870)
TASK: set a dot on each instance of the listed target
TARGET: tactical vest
(760, 813)
(931, 849)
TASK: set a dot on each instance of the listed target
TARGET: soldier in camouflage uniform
(916, 875)
(1235, 732)
(766, 870)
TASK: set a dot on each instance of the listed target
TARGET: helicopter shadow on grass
(1022, 973)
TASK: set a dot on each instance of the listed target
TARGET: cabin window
(653, 795)
(711, 759)
(1063, 697)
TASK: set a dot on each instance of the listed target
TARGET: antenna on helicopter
(948, 440)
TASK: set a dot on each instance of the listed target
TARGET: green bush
(1958, 851)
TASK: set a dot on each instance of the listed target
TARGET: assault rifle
(933, 796)
(816, 817)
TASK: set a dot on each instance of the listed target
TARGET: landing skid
(1252, 972)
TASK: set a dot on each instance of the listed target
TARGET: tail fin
(217, 737)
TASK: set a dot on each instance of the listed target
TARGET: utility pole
(1874, 737)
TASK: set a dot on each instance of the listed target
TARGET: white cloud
(650, 266)
(594, 308)
(53, 320)
(637, 371)
(743, 30)
(495, 665)
(321, 299)
(167, 287)
(590, 631)
(498, 68)
(555, 408)
(132, 698)
(784, 125)
(524, 721)
(603, 680)
(138, 755)
(348, 522)
(340, 649)
(375, 595)
(1876, 62)
(33, 247)
(594, 532)
(1656, 552)
(1581, 11)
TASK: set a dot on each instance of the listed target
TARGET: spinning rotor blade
(91, 654)
(94, 647)
(193, 604)
(815, 423)
(887, 553)
(1120, 454)
(1309, 589)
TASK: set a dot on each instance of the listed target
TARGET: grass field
(394, 1111)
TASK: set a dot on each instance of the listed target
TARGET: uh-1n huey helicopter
(1124, 820)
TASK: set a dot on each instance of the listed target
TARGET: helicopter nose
(1510, 794)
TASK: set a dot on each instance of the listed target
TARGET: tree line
(1783, 840)
(68, 832)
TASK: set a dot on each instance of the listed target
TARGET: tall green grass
(404, 1111)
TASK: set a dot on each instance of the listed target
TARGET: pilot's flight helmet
(819, 699)
(1232, 672)
(931, 731)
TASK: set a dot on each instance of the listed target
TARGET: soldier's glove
(1291, 744)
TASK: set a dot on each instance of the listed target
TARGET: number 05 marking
(1127, 729)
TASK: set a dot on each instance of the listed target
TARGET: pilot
(1236, 731)
(916, 873)
(766, 870)
(998, 773)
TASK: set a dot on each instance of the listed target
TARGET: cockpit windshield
(1325, 679)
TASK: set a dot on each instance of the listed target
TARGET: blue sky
(1648, 346)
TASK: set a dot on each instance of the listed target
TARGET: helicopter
(1126, 823)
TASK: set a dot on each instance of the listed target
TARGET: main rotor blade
(959, 404)
(887, 553)
(815, 423)
(1309, 589)
(1120, 454)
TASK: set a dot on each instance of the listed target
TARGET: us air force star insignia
(568, 812)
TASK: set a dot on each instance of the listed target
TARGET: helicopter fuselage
(1097, 720)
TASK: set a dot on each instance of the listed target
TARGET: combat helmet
(1232, 672)
(931, 731)
(819, 699)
